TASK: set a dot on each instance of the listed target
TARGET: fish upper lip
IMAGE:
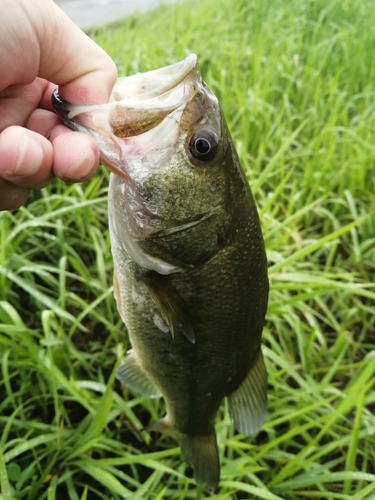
(157, 82)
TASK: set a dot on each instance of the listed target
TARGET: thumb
(67, 56)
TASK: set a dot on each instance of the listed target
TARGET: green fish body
(190, 269)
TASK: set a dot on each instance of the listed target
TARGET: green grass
(296, 82)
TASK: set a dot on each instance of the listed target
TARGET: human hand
(39, 45)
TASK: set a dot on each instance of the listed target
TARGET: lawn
(296, 82)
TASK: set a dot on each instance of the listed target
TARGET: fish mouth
(138, 105)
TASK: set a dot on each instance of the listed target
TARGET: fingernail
(29, 159)
(84, 167)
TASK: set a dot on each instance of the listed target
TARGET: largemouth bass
(190, 269)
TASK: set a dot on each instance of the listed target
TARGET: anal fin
(131, 373)
(248, 403)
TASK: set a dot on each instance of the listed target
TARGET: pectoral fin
(248, 404)
(170, 304)
(131, 373)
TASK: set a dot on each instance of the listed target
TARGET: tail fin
(202, 453)
(199, 451)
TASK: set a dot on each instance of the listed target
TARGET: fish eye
(203, 145)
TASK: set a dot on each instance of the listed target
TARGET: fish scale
(190, 268)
